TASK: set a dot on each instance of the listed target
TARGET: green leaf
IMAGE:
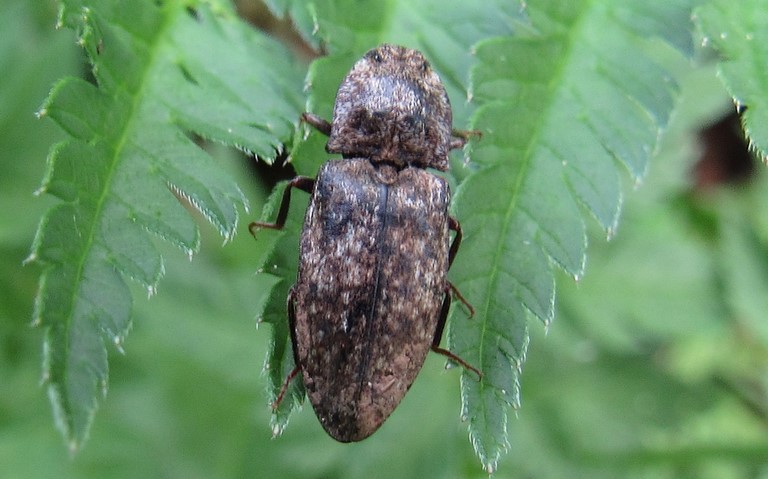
(445, 31)
(163, 72)
(558, 109)
(282, 264)
(738, 31)
(744, 268)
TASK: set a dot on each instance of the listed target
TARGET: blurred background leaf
(738, 32)
(656, 366)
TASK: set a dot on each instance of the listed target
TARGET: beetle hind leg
(296, 369)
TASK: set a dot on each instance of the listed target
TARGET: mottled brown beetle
(372, 294)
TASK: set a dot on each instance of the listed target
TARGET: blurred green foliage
(656, 366)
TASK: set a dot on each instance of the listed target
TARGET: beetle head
(392, 108)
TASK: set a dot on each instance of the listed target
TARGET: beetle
(372, 297)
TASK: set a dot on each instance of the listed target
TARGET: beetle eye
(375, 56)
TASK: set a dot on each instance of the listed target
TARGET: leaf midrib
(131, 118)
(556, 79)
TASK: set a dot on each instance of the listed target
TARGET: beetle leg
(291, 322)
(460, 297)
(460, 137)
(453, 224)
(284, 388)
(439, 334)
(301, 182)
(322, 125)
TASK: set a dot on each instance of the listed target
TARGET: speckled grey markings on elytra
(371, 297)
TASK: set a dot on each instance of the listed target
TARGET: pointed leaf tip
(559, 106)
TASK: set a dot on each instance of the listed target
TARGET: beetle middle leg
(439, 332)
(454, 225)
(303, 183)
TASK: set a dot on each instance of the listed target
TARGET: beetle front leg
(322, 125)
(301, 182)
(460, 137)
